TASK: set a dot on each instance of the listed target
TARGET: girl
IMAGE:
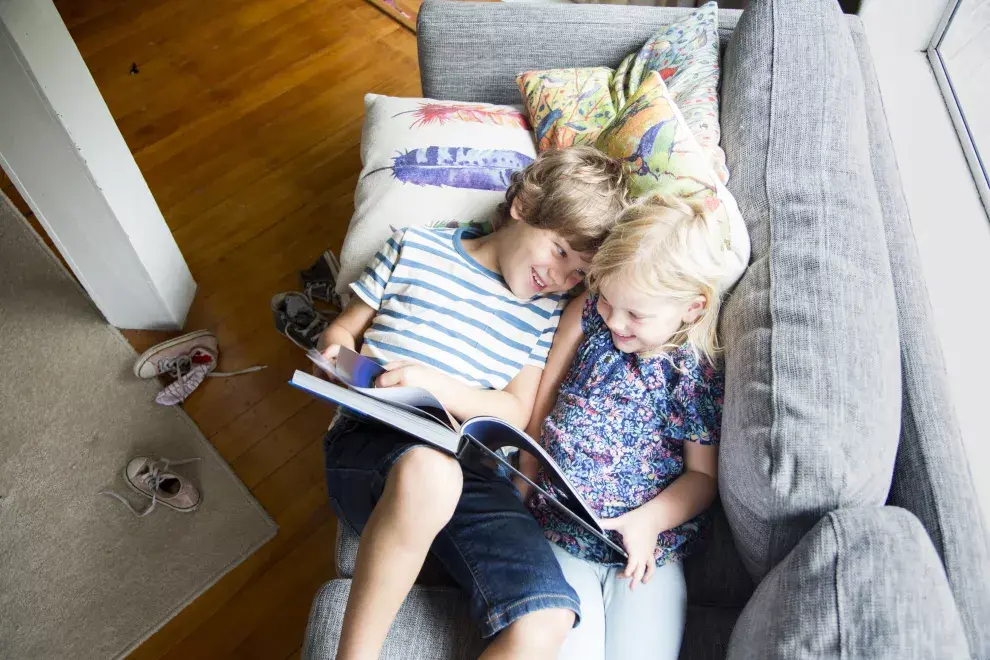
(636, 423)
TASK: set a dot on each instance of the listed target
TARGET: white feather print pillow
(429, 162)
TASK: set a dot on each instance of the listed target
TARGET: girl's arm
(689, 494)
(565, 344)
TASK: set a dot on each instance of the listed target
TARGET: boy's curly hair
(577, 192)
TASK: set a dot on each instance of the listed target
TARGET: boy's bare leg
(419, 498)
(537, 635)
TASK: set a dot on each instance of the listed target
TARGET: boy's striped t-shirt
(437, 305)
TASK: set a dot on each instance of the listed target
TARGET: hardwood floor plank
(245, 119)
(280, 633)
(277, 491)
(258, 421)
(278, 447)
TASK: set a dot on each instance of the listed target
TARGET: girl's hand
(639, 538)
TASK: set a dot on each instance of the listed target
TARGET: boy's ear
(515, 210)
(695, 308)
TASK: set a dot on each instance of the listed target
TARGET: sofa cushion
(714, 573)
(932, 475)
(706, 632)
(864, 583)
(812, 400)
(432, 624)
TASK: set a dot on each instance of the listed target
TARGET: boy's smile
(533, 262)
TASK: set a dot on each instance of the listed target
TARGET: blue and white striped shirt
(437, 305)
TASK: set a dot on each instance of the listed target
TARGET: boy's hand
(330, 353)
(408, 373)
(639, 538)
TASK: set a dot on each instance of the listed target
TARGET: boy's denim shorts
(492, 546)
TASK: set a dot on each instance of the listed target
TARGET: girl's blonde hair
(577, 192)
(674, 248)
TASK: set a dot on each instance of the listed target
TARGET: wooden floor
(245, 118)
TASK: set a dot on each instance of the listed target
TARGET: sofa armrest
(863, 583)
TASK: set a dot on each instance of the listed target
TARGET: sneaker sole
(148, 354)
(160, 500)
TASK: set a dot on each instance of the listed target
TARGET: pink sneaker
(200, 347)
(188, 360)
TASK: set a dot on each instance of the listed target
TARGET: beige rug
(80, 576)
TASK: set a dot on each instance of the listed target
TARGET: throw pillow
(572, 106)
(685, 54)
(654, 142)
(649, 136)
(567, 106)
(429, 162)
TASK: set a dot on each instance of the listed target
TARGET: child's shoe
(319, 281)
(297, 319)
(200, 347)
(153, 478)
(188, 360)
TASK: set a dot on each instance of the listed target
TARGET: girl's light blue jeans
(622, 624)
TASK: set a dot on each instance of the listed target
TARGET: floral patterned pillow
(567, 106)
(651, 138)
(572, 106)
(685, 54)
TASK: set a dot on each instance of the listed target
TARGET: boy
(471, 319)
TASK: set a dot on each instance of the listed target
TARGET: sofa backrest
(473, 51)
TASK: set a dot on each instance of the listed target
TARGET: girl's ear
(694, 309)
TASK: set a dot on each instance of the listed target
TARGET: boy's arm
(565, 344)
(688, 495)
(513, 404)
(346, 330)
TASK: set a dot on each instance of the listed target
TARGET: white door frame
(61, 148)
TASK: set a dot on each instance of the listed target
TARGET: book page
(360, 372)
(413, 423)
(495, 433)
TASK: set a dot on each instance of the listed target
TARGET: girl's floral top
(617, 432)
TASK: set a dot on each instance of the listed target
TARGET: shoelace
(182, 366)
(154, 480)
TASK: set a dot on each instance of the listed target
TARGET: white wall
(949, 220)
(61, 148)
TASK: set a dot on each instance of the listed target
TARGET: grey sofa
(848, 525)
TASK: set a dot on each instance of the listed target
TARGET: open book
(415, 411)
